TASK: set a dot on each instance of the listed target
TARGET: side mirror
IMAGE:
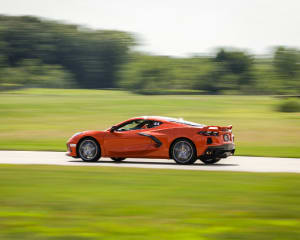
(113, 128)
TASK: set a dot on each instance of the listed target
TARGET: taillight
(209, 133)
(226, 137)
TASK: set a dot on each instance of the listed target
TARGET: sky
(179, 28)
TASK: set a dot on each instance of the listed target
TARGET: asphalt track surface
(233, 163)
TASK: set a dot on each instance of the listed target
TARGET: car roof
(169, 119)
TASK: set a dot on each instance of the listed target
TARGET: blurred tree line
(37, 52)
(228, 71)
(43, 53)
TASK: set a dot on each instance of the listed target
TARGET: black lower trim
(221, 151)
(225, 147)
(157, 142)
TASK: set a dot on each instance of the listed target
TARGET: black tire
(89, 150)
(183, 151)
(118, 159)
(210, 161)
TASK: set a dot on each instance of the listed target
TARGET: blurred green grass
(59, 202)
(43, 119)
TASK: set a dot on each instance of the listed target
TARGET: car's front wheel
(183, 151)
(89, 150)
(118, 159)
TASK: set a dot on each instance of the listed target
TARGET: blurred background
(43, 53)
(68, 66)
(152, 48)
(76, 66)
(251, 79)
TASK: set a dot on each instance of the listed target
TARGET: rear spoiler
(228, 128)
(217, 128)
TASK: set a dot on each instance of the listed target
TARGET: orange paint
(153, 138)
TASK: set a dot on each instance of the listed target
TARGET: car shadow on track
(158, 163)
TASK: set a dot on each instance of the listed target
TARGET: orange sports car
(154, 137)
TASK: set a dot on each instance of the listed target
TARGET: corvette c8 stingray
(155, 137)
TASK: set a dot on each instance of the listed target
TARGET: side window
(138, 124)
(132, 125)
(151, 124)
(156, 123)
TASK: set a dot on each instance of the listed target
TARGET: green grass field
(43, 119)
(58, 202)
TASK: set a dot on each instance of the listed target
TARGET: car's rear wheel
(89, 150)
(210, 161)
(118, 159)
(183, 151)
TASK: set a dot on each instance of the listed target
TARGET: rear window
(188, 123)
